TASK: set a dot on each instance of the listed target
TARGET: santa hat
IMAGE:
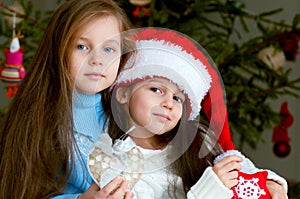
(172, 55)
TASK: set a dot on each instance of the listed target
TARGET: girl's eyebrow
(82, 38)
(114, 41)
(155, 81)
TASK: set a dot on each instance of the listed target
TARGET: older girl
(42, 149)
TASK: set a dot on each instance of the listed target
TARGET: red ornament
(140, 9)
(282, 149)
(280, 132)
(289, 43)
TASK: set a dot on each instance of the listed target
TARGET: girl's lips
(164, 117)
(95, 75)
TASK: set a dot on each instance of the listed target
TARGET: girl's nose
(95, 59)
(167, 101)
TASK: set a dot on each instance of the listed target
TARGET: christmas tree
(252, 69)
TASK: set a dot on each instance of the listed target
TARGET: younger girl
(79, 56)
(155, 106)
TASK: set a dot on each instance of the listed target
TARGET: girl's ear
(122, 95)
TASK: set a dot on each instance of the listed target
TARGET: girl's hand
(116, 189)
(276, 190)
(227, 170)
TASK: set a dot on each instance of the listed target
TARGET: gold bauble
(273, 58)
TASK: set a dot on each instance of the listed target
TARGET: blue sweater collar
(88, 115)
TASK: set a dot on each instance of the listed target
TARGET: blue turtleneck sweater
(88, 124)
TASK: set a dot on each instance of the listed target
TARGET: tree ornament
(281, 139)
(289, 43)
(282, 149)
(13, 71)
(140, 10)
(273, 58)
(124, 159)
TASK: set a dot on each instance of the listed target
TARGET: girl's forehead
(160, 80)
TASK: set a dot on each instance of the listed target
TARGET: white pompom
(14, 45)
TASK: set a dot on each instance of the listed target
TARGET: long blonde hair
(36, 135)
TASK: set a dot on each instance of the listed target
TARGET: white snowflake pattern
(249, 189)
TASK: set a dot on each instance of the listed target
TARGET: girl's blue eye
(108, 50)
(81, 47)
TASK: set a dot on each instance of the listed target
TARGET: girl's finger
(121, 190)
(228, 159)
(229, 164)
(230, 183)
(112, 186)
(232, 175)
(225, 176)
(230, 179)
(129, 195)
(232, 166)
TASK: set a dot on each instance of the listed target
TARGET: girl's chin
(147, 132)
